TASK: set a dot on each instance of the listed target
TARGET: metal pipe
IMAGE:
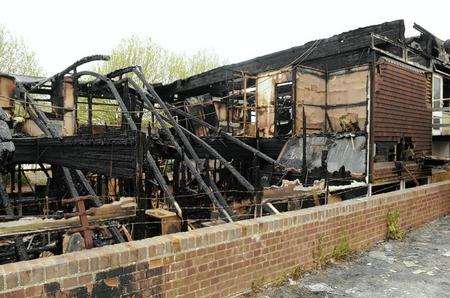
(152, 164)
(221, 205)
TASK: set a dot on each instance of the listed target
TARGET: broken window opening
(393, 151)
(201, 107)
(414, 57)
(252, 116)
(405, 149)
(387, 46)
(385, 151)
(45, 104)
(400, 51)
(446, 92)
(283, 110)
(249, 105)
(249, 108)
(385, 188)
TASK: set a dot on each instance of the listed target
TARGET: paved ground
(418, 266)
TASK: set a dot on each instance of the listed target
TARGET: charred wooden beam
(86, 232)
(111, 226)
(230, 150)
(112, 153)
(225, 135)
(125, 208)
(70, 68)
(216, 155)
(218, 201)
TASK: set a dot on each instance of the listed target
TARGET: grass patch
(342, 251)
(257, 286)
(296, 273)
(321, 257)
(394, 231)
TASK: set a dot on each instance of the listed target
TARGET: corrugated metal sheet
(348, 152)
(400, 106)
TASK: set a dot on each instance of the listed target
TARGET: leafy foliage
(321, 258)
(158, 65)
(15, 56)
(342, 251)
(394, 231)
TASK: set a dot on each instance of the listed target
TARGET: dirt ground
(418, 266)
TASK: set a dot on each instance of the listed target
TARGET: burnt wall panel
(400, 106)
(311, 92)
(265, 99)
(347, 96)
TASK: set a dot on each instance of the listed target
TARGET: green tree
(15, 56)
(180, 66)
(159, 65)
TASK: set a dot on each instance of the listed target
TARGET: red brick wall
(223, 260)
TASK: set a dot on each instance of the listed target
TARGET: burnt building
(361, 112)
(372, 87)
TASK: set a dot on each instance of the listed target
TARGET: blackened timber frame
(112, 154)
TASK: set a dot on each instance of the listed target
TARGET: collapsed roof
(343, 50)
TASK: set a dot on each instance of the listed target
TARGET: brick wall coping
(46, 270)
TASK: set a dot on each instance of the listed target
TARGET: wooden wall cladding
(400, 106)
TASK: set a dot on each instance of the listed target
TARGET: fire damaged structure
(334, 119)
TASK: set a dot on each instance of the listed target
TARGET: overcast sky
(63, 31)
